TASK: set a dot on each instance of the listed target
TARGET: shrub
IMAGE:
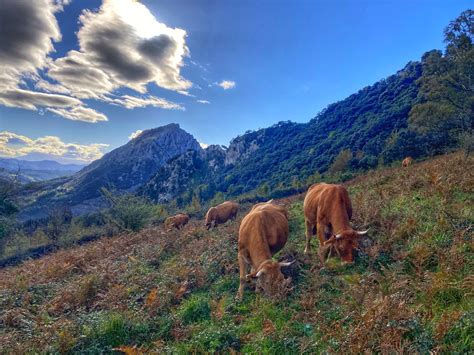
(131, 212)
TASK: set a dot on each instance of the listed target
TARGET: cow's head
(210, 216)
(270, 278)
(344, 243)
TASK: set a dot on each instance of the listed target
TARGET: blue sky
(288, 60)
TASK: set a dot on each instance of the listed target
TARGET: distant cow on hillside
(221, 213)
(263, 232)
(177, 221)
(327, 212)
(407, 162)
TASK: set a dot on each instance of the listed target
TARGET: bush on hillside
(130, 212)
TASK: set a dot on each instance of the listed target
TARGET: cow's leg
(320, 231)
(243, 271)
(309, 233)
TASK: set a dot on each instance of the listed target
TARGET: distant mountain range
(125, 168)
(29, 171)
(167, 163)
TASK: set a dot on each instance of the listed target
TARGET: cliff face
(183, 173)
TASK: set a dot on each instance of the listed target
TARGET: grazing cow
(407, 162)
(221, 213)
(262, 233)
(177, 221)
(327, 212)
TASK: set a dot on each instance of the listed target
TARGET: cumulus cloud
(226, 84)
(28, 30)
(46, 86)
(135, 134)
(123, 45)
(27, 33)
(132, 102)
(15, 145)
(203, 102)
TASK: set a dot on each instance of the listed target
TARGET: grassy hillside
(410, 289)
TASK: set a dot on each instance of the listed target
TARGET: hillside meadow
(154, 291)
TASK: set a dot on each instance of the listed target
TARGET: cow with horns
(263, 232)
(327, 212)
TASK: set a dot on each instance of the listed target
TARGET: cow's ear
(256, 274)
(331, 240)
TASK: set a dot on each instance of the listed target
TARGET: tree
(8, 208)
(130, 212)
(195, 206)
(59, 220)
(341, 161)
(446, 96)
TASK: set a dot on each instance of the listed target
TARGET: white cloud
(203, 145)
(31, 100)
(29, 29)
(203, 102)
(226, 84)
(135, 134)
(123, 45)
(15, 145)
(120, 45)
(132, 102)
(46, 86)
(79, 113)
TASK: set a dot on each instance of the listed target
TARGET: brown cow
(177, 221)
(263, 232)
(407, 162)
(221, 213)
(328, 210)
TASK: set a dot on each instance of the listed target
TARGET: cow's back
(324, 200)
(227, 210)
(265, 226)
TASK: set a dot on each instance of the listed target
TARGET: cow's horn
(286, 263)
(260, 272)
(362, 232)
(338, 236)
(270, 201)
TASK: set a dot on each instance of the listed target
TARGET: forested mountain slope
(370, 126)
